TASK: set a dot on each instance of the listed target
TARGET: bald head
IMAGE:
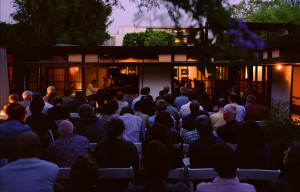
(65, 127)
(50, 89)
(27, 95)
(28, 145)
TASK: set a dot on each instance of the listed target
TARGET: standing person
(28, 173)
(26, 95)
(128, 95)
(224, 162)
(181, 100)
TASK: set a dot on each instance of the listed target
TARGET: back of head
(27, 95)
(86, 111)
(166, 88)
(50, 89)
(65, 127)
(119, 95)
(233, 97)
(231, 110)
(36, 96)
(251, 136)
(194, 106)
(67, 92)
(221, 103)
(36, 106)
(165, 118)
(224, 160)
(236, 90)
(138, 106)
(126, 110)
(161, 105)
(116, 127)
(192, 95)
(15, 111)
(79, 95)
(183, 90)
(84, 172)
(203, 126)
(147, 89)
(251, 99)
(28, 145)
(168, 98)
(156, 161)
(110, 107)
(13, 98)
(128, 89)
(57, 100)
(162, 93)
(161, 133)
(144, 91)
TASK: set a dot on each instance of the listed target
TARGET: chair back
(258, 174)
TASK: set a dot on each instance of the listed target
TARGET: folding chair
(258, 174)
(92, 147)
(183, 132)
(117, 173)
(139, 149)
(177, 174)
(261, 123)
(200, 174)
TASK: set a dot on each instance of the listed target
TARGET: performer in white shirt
(91, 90)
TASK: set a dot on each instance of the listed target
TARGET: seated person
(108, 112)
(290, 180)
(26, 95)
(254, 111)
(188, 120)
(138, 112)
(77, 102)
(224, 162)
(160, 106)
(252, 150)
(120, 101)
(114, 151)
(161, 133)
(166, 119)
(199, 148)
(58, 112)
(89, 125)
(217, 119)
(185, 109)
(155, 170)
(10, 130)
(134, 126)
(28, 173)
(83, 174)
(170, 109)
(68, 147)
(228, 132)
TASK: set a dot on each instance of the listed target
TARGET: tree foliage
(276, 11)
(149, 38)
(48, 22)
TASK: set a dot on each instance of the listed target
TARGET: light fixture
(278, 67)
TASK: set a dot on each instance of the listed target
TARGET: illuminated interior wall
(281, 83)
(296, 86)
(155, 77)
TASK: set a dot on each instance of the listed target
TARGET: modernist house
(274, 74)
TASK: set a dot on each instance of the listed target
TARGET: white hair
(231, 110)
(50, 89)
(26, 95)
(65, 127)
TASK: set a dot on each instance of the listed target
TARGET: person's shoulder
(247, 187)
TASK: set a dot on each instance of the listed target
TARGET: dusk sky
(119, 16)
